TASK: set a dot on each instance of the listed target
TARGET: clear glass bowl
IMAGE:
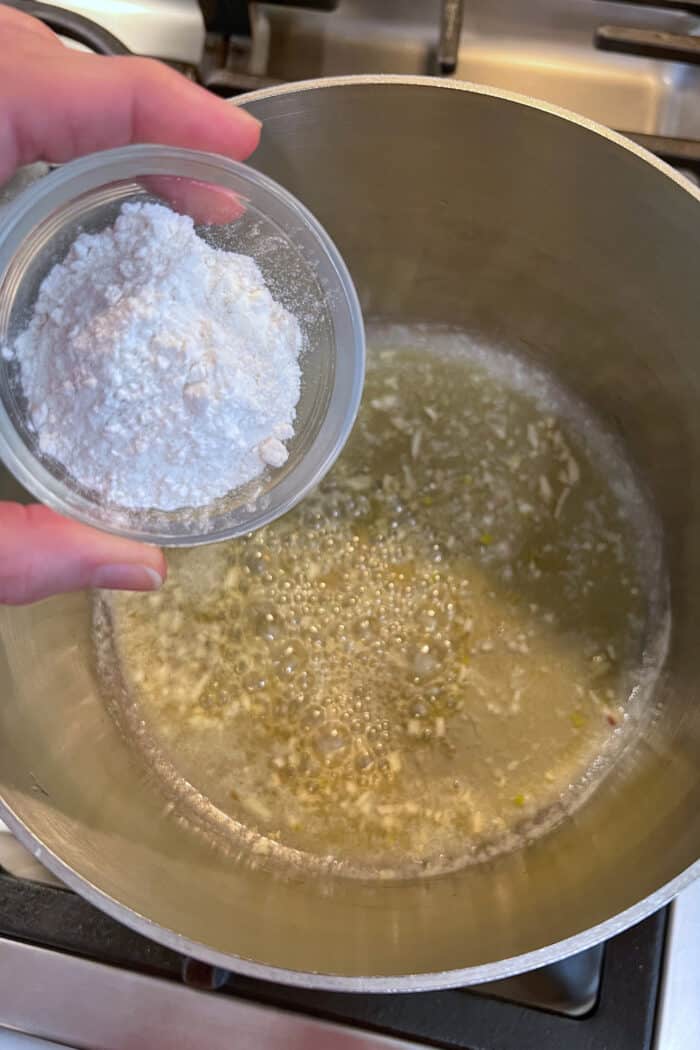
(301, 266)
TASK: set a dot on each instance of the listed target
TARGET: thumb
(42, 554)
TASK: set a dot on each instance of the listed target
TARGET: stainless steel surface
(678, 1023)
(86, 1004)
(542, 48)
(569, 987)
(533, 230)
(168, 29)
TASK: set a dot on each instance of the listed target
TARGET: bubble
(364, 628)
(290, 656)
(253, 682)
(332, 741)
(267, 622)
(255, 563)
(423, 663)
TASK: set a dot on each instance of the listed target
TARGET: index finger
(73, 104)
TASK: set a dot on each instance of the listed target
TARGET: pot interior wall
(533, 233)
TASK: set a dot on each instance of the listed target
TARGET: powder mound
(159, 371)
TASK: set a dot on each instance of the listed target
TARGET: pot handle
(72, 25)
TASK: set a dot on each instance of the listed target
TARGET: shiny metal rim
(416, 982)
(299, 86)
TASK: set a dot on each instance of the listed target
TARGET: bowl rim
(28, 469)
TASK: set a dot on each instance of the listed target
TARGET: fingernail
(126, 578)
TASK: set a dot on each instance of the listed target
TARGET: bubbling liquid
(430, 659)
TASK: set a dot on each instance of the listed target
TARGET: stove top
(100, 983)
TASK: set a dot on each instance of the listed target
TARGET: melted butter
(434, 653)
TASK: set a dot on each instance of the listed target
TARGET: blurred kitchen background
(632, 66)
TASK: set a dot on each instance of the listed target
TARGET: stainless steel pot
(533, 229)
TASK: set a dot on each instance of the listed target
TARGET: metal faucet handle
(649, 43)
(451, 15)
(653, 43)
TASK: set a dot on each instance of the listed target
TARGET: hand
(56, 104)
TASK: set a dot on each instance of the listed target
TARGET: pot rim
(416, 982)
(471, 87)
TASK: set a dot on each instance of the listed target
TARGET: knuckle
(142, 68)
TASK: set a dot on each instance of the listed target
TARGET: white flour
(159, 371)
